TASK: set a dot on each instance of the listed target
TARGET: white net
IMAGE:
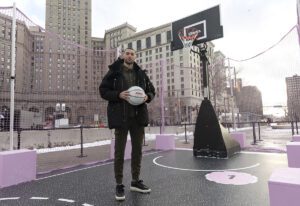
(187, 39)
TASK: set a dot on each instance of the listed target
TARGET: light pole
(231, 93)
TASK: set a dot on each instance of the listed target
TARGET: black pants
(137, 134)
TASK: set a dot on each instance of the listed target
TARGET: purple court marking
(231, 178)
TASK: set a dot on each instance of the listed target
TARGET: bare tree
(217, 79)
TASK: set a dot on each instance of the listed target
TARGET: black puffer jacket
(113, 84)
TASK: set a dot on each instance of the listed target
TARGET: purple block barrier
(284, 187)
(17, 166)
(127, 154)
(165, 142)
(240, 137)
(296, 138)
(293, 154)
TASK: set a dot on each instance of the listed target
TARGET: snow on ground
(103, 142)
(180, 136)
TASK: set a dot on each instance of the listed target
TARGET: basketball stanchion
(193, 33)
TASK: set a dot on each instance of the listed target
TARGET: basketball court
(175, 177)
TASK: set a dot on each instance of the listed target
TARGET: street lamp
(231, 93)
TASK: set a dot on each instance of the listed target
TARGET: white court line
(188, 149)
(194, 170)
(66, 200)
(73, 171)
(85, 204)
(243, 152)
(39, 198)
(85, 168)
(9, 198)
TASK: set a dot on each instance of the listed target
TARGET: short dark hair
(130, 49)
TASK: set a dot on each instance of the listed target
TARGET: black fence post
(259, 136)
(185, 136)
(19, 138)
(145, 140)
(81, 142)
(254, 134)
(49, 142)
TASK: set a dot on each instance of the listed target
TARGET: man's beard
(129, 62)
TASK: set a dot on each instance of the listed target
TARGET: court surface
(175, 177)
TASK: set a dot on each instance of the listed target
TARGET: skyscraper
(71, 60)
(293, 96)
(68, 43)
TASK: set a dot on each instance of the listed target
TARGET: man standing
(123, 117)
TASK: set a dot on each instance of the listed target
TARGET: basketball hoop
(187, 40)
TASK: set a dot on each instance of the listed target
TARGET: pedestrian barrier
(240, 137)
(17, 166)
(165, 142)
(293, 154)
(284, 187)
(296, 138)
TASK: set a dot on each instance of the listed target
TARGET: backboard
(205, 24)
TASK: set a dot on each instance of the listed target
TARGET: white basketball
(136, 95)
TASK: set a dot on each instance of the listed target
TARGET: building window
(130, 45)
(138, 45)
(158, 39)
(148, 42)
(168, 36)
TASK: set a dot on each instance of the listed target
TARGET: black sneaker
(138, 186)
(120, 194)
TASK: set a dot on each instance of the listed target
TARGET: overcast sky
(249, 27)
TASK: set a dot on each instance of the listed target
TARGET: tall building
(178, 72)
(249, 102)
(70, 74)
(65, 64)
(68, 26)
(293, 96)
(239, 84)
(24, 69)
(112, 37)
(55, 65)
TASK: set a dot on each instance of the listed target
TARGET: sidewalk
(47, 162)
(273, 141)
